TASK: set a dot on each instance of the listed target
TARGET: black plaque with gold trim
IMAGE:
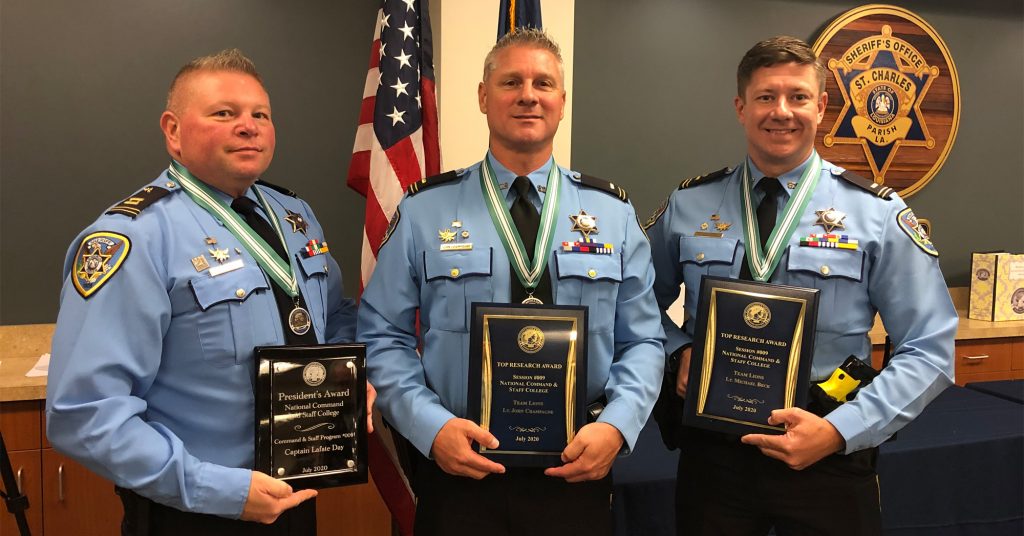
(528, 379)
(311, 414)
(753, 344)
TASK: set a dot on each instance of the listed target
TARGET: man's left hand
(808, 438)
(590, 454)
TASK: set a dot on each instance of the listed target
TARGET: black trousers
(724, 487)
(519, 502)
(143, 517)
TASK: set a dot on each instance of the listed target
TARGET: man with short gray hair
(166, 295)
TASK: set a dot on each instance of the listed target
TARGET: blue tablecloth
(957, 469)
(1012, 390)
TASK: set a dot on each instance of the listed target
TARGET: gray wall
(82, 85)
(655, 80)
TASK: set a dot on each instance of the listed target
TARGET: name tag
(226, 267)
(457, 247)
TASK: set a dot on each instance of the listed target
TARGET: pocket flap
(703, 250)
(236, 285)
(456, 264)
(589, 265)
(827, 262)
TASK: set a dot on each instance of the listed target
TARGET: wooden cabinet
(66, 498)
(980, 360)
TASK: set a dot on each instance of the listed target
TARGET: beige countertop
(21, 346)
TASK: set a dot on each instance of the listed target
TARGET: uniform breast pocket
(225, 321)
(702, 255)
(590, 280)
(835, 272)
(454, 280)
(314, 291)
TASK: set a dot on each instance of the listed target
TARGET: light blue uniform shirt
(420, 394)
(151, 378)
(888, 274)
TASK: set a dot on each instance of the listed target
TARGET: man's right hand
(270, 497)
(453, 452)
(683, 376)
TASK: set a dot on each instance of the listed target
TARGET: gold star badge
(446, 235)
(584, 223)
(298, 222)
(830, 219)
(219, 255)
(723, 226)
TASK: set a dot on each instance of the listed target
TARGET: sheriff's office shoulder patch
(714, 175)
(908, 222)
(607, 187)
(391, 228)
(656, 215)
(135, 204)
(98, 258)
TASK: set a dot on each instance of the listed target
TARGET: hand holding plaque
(527, 367)
(752, 351)
(311, 414)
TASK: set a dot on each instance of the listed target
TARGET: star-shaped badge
(298, 222)
(446, 235)
(830, 219)
(219, 255)
(584, 223)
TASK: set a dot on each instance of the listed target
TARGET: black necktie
(766, 212)
(527, 221)
(246, 208)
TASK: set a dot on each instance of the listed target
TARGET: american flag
(514, 14)
(396, 145)
(396, 142)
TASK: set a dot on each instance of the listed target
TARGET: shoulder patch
(97, 260)
(281, 189)
(391, 228)
(427, 182)
(714, 175)
(908, 222)
(867, 184)
(605, 186)
(135, 204)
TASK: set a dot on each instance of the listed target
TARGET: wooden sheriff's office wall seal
(893, 96)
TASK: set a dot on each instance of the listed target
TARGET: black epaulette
(423, 184)
(867, 184)
(135, 204)
(281, 189)
(605, 186)
(714, 175)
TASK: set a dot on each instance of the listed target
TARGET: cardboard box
(997, 286)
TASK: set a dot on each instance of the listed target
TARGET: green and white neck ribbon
(762, 263)
(529, 273)
(277, 268)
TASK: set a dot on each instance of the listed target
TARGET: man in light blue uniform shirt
(151, 379)
(817, 478)
(424, 396)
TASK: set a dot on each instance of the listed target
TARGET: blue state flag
(518, 14)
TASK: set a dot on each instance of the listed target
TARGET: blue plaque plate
(311, 414)
(752, 349)
(527, 369)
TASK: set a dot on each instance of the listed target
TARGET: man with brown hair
(815, 225)
(165, 297)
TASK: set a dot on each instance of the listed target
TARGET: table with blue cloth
(957, 469)
(1012, 390)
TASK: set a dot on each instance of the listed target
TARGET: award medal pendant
(298, 321)
(530, 300)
